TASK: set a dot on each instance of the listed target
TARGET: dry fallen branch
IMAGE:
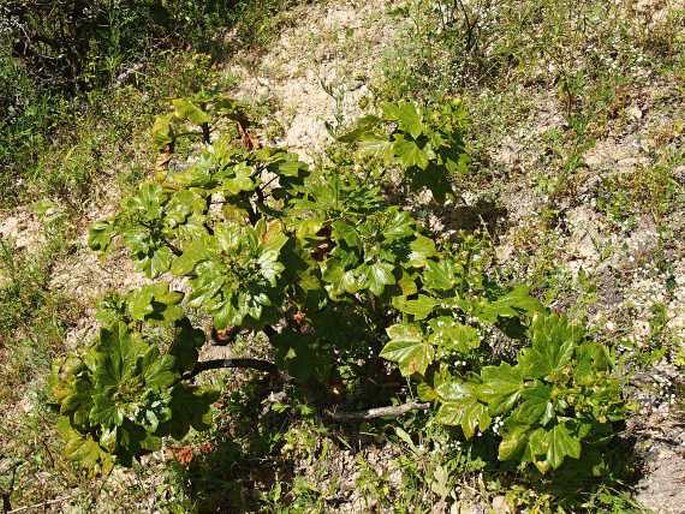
(258, 364)
(393, 411)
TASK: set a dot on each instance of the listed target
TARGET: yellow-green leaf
(408, 349)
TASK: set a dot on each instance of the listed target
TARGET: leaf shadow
(483, 214)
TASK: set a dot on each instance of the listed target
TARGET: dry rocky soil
(320, 69)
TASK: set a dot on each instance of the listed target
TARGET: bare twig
(270, 332)
(469, 24)
(42, 505)
(174, 249)
(124, 75)
(258, 364)
(263, 187)
(392, 411)
(243, 123)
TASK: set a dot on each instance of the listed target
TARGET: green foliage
(34, 315)
(559, 393)
(192, 113)
(72, 44)
(426, 143)
(119, 396)
(345, 273)
(85, 77)
(21, 289)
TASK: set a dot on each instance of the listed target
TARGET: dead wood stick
(393, 411)
(258, 364)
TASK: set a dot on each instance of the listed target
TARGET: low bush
(330, 265)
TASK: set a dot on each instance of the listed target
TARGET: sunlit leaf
(408, 349)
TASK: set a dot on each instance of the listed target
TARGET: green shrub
(339, 275)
